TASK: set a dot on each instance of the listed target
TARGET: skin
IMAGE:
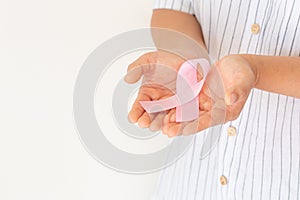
(237, 74)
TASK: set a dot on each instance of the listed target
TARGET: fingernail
(170, 134)
(173, 118)
(130, 119)
(165, 130)
(233, 98)
(206, 105)
(142, 124)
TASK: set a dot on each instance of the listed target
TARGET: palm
(159, 71)
(230, 75)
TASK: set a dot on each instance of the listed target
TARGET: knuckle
(142, 60)
(230, 116)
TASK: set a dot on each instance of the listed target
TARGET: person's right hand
(159, 70)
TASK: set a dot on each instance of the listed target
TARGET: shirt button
(255, 29)
(223, 180)
(231, 131)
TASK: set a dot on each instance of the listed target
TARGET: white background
(42, 46)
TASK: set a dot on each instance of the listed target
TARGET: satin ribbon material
(186, 99)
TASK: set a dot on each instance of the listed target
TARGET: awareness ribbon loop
(188, 88)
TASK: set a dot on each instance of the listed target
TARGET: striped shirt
(262, 159)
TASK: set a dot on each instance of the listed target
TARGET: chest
(269, 27)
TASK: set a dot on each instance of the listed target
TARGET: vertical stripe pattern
(262, 161)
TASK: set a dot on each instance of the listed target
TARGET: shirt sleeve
(179, 5)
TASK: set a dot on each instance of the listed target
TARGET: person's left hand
(222, 98)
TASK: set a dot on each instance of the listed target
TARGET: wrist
(252, 61)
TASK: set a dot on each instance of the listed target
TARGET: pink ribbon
(188, 88)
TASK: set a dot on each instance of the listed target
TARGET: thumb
(136, 69)
(231, 96)
(133, 75)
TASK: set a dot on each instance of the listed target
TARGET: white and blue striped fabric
(262, 161)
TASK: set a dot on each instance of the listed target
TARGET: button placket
(223, 180)
(255, 29)
(231, 131)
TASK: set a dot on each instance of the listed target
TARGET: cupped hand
(222, 98)
(159, 71)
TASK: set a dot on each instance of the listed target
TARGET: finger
(152, 116)
(234, 110)
(157, 123)
(205, 101)
(231, 96)
(172, 129)
(236, 93)
(137, 110)
(144, 121)
(214, 85)
(134, 74)
(170, 116)
(199, 72)
(203, 122)
(235, 99)
(237, 77)
(207, 119)
(136, 69)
